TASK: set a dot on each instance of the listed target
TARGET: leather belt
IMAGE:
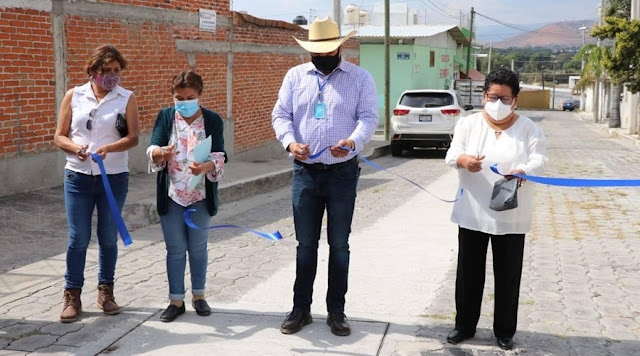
(319, 166)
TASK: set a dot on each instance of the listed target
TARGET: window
(432, 59)
(426, 100)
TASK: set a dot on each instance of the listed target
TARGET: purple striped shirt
(351, 109)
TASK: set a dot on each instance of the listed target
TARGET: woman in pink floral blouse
(177, 131)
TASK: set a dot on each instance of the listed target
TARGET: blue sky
(521, 12)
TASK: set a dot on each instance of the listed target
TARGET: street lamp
(583, 28)
(582, 93)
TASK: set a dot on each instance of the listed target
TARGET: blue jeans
(179, 239)
(313, 191)
(83, 193)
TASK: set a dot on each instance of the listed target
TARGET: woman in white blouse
(87, 123)
(497, 135)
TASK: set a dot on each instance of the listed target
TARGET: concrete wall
(415, 72)
(534, 99)
(46, 44)
(629, 112)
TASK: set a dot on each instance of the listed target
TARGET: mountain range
(557, 35)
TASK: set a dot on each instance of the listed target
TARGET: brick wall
(46, 43)
(26, 82)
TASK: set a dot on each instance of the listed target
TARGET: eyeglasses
(92, 115)
(505, 99)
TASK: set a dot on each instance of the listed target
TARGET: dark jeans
(313, 190)
(508, 252)
(83, 193)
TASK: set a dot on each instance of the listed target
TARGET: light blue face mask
(187, 108)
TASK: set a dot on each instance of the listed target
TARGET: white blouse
(522, 146)
(85, 107)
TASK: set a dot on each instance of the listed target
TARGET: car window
(426, 100)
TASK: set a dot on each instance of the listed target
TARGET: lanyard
(321, 86)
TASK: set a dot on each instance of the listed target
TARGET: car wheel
(396, 149)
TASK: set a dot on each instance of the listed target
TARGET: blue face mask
(187, 108)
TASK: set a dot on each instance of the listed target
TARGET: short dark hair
(104, 55)
(503, 76)
(187, 79)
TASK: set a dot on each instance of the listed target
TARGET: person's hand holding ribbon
(339, 151)
(471, 163)
(81, 152)
(299, 151)
(164, 154)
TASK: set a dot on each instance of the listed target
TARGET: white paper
(200, 155)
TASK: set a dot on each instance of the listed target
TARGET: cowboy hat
(324, 36)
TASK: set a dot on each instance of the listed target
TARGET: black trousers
(508, 252)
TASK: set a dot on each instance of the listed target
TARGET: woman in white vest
(98, 117)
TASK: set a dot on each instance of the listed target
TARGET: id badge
(319, 110)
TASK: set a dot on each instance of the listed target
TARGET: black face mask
(326, 64)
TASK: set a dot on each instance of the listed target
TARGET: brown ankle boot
(106, 301)
(72, 305)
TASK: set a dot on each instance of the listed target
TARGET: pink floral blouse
(186, 137)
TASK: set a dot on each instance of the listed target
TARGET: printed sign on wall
(207, 20)
(403, 56)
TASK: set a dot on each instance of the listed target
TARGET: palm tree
(621, 9)
(593, 56)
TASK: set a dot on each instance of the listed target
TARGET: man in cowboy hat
(330, 104)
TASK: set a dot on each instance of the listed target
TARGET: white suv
(425, 118)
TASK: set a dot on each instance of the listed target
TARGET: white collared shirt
(351, 109)
(103, 128)
(521, 146)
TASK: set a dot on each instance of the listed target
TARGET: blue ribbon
(574, 182)
(113, 207)
(269, 236)
(380, 168)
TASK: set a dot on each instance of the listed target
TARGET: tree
(622, 63)
(593, 69)
(622, 60)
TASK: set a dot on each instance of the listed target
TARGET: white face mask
(497, 110)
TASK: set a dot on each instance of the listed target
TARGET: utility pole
(553, 96)
(542, 68)
(489, 64)
(387, 74)
(596, 95)
(470, 42)
(336, 14)
(582, 93)
(469, 52)
(512, 65)
(633, 98)
(313, 13)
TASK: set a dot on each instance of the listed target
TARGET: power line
(441, 10)
(436, 8)
(501, 23)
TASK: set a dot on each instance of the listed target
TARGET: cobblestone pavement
(237, 262)
(580, 291)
